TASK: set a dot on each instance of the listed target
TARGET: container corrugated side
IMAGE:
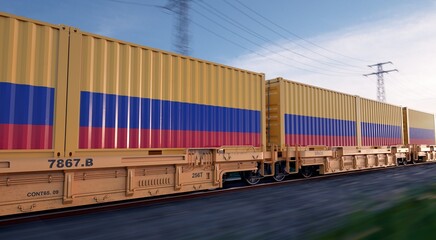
(310, 115)
(420, 128)
(381, 123)
(135, 97)
(33, 71)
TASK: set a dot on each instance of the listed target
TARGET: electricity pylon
(381, 94)
(181, 35)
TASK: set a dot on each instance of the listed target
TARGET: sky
(323, 43)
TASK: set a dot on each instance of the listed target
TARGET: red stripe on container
(97, 138)
(134, 138)
(422, 141)
(145, 138)
(21, 136)
(91, 138)
(109, 138)
(83, 138)
(304, 140)
(122, 137)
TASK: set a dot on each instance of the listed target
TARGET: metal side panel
(33, 77)
(381, 123)
(130, 99)
(421, 127)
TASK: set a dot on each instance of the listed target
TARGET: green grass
(413, 217)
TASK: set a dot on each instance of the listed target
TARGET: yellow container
(419, 127)
(381, 123)
(125, 96)
(33, 76)
(300, 114)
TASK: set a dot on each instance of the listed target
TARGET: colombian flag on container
(136, 97)
(114, 121)
(30, 69)
(26, 119)
(309, 130)
(381, 123)
(421, 129)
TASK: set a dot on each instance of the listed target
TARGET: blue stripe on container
(26, 104)
(163, 114)
(122, 112)
(422, 133)
(97, 113)
(375, 130)
(306, 125)
(134, 112)
(145, 113)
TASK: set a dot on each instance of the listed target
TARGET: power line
(263, 47)
(241, 46)
(238, 25)
(136, 3)
(172, 6)
(416, 90)
(299, 37)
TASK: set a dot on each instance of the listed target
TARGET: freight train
(87, 119)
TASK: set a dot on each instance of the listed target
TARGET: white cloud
(408, 41)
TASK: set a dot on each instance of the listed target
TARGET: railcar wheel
(405, 161)
(307, 171)
(279, 172)
(252, 177)
(279, 177)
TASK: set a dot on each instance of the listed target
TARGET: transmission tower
(381, 94)
(181, 34)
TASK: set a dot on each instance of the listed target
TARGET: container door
(33, 78)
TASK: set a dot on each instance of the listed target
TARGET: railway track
(114, 206)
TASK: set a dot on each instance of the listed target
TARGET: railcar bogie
(309, 171)
(252, 177)
(280, 171)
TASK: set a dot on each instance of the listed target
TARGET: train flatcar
(87, 119)
(419, 134)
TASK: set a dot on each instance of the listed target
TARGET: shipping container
(124, 96)
(380, 123)
(419, 127)
(33, 77)
(300, 114)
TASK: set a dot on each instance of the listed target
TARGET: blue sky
(153, 26)
(354, 32)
